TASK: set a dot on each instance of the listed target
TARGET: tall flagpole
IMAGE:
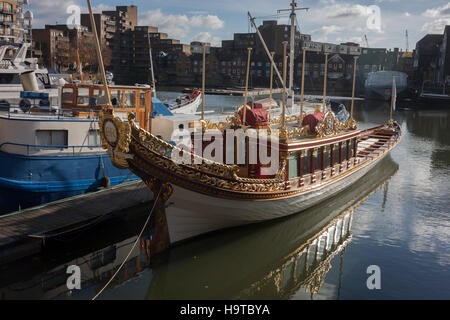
(393, 102)
(283, 114)
(244, 118)
(203, 81)
(302, 97)
(271, 85)
(325, 84)
(292, 54)
(351, 123)
(101, 66)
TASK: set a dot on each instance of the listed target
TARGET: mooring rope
(132, 249)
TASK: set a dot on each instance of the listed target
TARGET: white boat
(187, 104)
(12, 66)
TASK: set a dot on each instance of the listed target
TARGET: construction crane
(367, 41)
(407, 41)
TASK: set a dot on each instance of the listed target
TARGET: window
(130, 99)
(83, 97)
(293, 166)
(116, 98)
(344, 151)
(352, 145)
(94, 138)
(307, 163)
(336, 154)
(67, 95)
(52, 138)
(327, 157)
(318, 160)
(142, 99)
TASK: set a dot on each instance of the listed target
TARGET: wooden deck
(22, 233)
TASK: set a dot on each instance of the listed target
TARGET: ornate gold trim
(330, 125)
(121, 147)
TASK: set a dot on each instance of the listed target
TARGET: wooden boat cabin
(83, 99)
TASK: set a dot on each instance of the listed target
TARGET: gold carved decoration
(158, 152)
(116, 137)
(330, 125)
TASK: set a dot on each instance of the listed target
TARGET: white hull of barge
(191, 214)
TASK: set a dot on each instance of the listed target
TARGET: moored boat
(246, 170)
(51, 152)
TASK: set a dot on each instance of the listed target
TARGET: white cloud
(438, 12)
(180, 26)
(436, 26)
(326, 30)
(207, 37)
(207, 22)
(340, 11)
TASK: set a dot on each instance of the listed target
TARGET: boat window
(293, 166)
(67, 95)
(327, 156)
(83, 97)
(352, 151)
(336, 154)
(142, 99)
(116, 98)
(307, 163)
(52, 138)
(98, 97)
(318, 160)
(344, 151)
(94, 138)
(130, 99)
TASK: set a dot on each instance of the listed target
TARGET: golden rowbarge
(317, 157)
(194, 199)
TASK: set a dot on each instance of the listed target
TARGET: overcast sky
(327, 20)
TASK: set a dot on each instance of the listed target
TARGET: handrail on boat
(46, 147)
(14, 110)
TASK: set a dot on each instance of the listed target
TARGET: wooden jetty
(23, 233)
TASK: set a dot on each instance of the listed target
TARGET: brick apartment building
(11, 20)
(181, 64)
(54, 45)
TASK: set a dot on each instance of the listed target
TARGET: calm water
(397, 217)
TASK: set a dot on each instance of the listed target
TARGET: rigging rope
(132, 249)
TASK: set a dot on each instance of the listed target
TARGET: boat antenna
(293, 17)
(203, 81)
(325, 84)
(265, 48)
(271, 85)
(283, 115)
(302, 95)
(393, 101)
(352, 121)
(244, 110)
(151, 66)
(101, 66)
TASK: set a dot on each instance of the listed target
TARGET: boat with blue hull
(51, 151)
(26, 181)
